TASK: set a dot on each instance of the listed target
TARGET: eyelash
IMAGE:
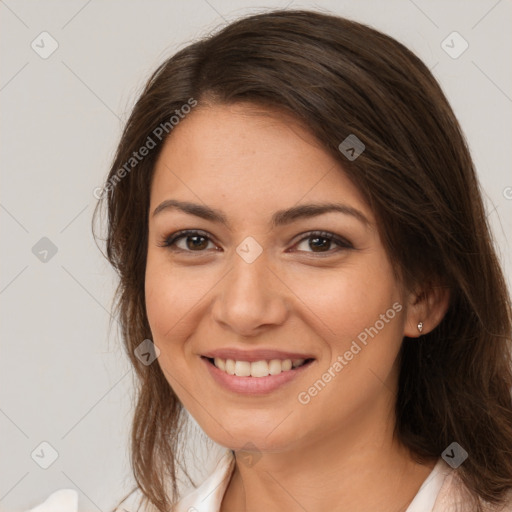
(170, 240)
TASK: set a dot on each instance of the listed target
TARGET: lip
(255, 355)
(253, 385)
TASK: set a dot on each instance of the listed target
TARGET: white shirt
(438, 493)
(208, 496)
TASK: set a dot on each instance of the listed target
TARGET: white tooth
(259, 369)
(220, 363)
(286, 365)
(230, 366)
(242, 369)
(274, 367)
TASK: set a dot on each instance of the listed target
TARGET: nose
(250, 298)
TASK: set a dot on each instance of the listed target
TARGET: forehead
(241, 155)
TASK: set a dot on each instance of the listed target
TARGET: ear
(428, 306)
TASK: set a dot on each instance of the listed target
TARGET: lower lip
(253, 385)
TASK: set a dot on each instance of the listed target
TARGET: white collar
(428, 492)
(208, 496)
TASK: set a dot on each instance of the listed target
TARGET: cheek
(358, 316)
(160, 294)
(171, 295)
(344, 303)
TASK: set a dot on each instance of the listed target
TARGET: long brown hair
(339, 77)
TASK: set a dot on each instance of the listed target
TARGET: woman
(306, 268)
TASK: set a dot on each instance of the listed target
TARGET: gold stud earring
(420, 326)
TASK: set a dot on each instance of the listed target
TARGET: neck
(360, 467)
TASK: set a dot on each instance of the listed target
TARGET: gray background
(65, 380)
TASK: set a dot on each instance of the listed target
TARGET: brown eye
(320, 242)
(194, 241)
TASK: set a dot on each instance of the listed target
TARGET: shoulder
(134, 502)
(454, 496)
(206, 497)
(64, 500)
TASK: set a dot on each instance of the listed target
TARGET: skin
(336, 452)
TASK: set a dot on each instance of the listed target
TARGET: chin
(251, 439)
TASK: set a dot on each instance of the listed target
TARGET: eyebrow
(279, 218)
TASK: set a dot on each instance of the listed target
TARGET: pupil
(324, 245)
(199, 241)
(194, 244)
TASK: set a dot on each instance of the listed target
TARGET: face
(250, 282)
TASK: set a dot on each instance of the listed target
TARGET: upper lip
(255, 354)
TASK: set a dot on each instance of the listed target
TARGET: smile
(257, 376)
(256, 368)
